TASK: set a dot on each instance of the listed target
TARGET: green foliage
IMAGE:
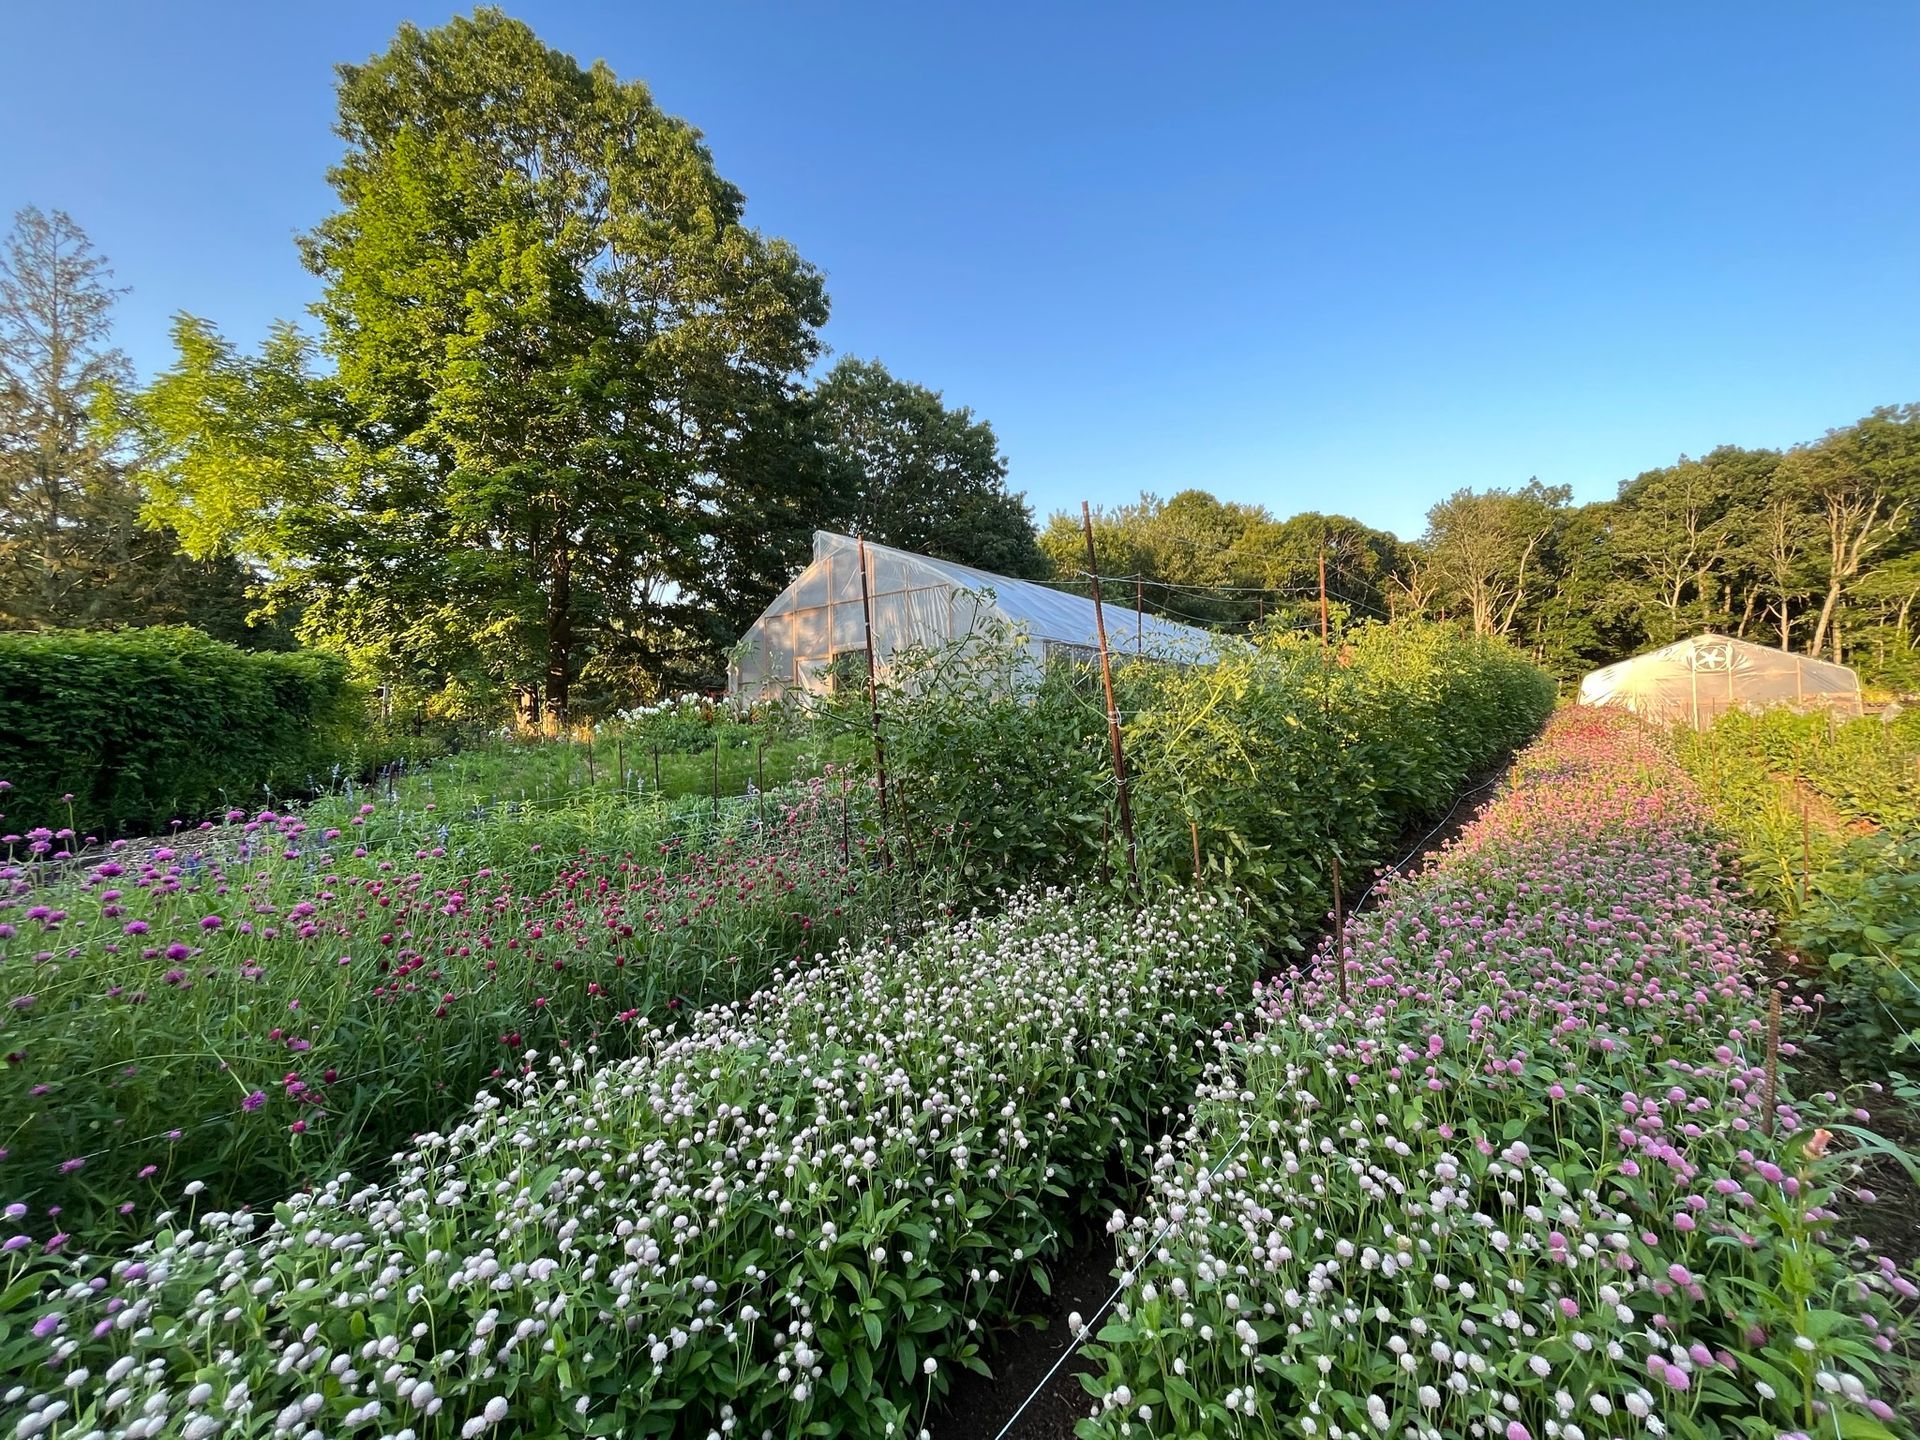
(563, 374)
(1271, 761)
(143, 728)
(1826, 817)
(1214, 562)
(919, 476)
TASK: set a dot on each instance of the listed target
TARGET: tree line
(555, 431)
(1815, 548)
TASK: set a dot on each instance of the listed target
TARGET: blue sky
(1342, 256)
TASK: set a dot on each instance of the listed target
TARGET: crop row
(1826, 819)
(1525, 1171)
(793, 1218)
(277, 1002)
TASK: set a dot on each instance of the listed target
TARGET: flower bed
(1523, 1181)
(792, 1218)
(267, 1003)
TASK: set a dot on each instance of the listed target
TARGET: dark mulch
(978, 1408)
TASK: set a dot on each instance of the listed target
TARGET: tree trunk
(559, 633)
(1826, 618)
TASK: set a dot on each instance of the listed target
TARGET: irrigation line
(1074, 1340)
(1421, 845)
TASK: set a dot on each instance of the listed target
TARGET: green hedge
(145, 727)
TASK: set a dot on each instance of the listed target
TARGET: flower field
(1525, 1171)
(793, 1218)
(269, 1000)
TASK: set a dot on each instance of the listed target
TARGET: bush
(1266, 762)
(1826, 820)
(794, 1219)
(145, 727)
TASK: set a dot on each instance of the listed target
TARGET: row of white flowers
(799, 1212)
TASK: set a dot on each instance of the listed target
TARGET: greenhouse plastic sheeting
(920, 603)
(1695, 680)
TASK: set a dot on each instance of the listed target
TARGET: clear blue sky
(1339, 256)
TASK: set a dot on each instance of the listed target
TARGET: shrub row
(146, 727)
(1525, 1173)
(1268, 763)
(793, 1219)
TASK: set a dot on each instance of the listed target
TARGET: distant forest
(557, 432)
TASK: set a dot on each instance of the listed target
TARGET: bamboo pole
(1113, 710)
(1772, 1094)
(1323, 597)
(873, 703)
(1339, 930)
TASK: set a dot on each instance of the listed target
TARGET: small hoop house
(921, 604)
(1696, 680)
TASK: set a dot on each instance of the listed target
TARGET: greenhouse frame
(1696, 680)
(921, 604)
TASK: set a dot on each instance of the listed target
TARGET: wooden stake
(592, 777)
(1773, 1062)
(656, 767)
(1194, 830)
(1323, 597)
(1806, 851)
(1113, 710)
(760, 767)
(1339, 929)
(620, 757)
(873, 704)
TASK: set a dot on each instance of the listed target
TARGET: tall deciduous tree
(920, 475)
(550, 334)
(1484, 550)
(1865, 481)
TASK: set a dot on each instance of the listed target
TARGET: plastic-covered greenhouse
(923, 604)
(1697, 679)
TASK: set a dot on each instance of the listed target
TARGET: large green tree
(915, 473)
(547, 337)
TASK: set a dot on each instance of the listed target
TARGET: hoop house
(1695, 680)
(814, 633)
